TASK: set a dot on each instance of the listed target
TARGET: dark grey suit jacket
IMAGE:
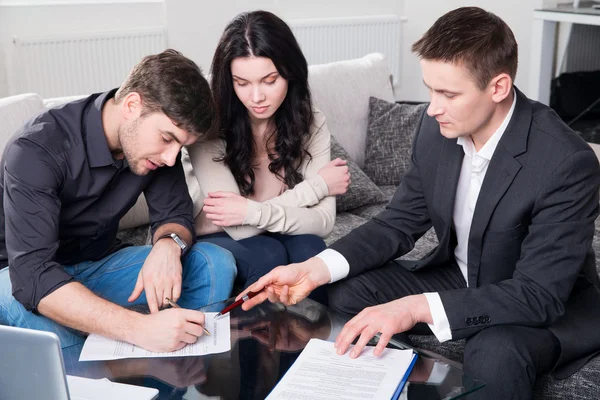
(530, 260)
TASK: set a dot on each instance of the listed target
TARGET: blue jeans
(257, 255)
(208, 275)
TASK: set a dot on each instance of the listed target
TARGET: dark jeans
(507, 357)
(258, 255)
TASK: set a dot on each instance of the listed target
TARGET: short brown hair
(172, 84)
(474, 37)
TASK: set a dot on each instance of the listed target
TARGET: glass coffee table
(265, 342)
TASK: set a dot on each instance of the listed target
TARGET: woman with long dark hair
(268, 183)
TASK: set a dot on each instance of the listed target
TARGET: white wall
(194, 27)
(45, 21)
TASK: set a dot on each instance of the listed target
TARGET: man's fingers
(180, 346)
(257, 286)
(284, 296)
(187, 338)
(366, 335)
(273, 297)
(256, 300)
(151, 298)
(176, 290)
(137, 290)
(347, 335)
(160, 297)
(196, 317)
(194, 329)
(384, 339)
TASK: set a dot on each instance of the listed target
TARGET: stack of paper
(97, 347)
(320, 373)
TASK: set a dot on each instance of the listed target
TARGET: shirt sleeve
(441, 325)
(336, 264)
(31, 220)
(168, 198)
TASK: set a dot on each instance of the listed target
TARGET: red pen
(237, 303)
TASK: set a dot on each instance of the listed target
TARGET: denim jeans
(258, 255)
(208, 275)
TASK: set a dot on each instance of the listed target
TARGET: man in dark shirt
(67, 179)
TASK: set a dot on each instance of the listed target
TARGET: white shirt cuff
(441, 325)
(336, 264)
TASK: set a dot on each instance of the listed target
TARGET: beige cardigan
(305, 209)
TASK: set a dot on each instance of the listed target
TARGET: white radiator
(86, 63)
(335, 39)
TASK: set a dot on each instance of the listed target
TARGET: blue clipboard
(405, 377)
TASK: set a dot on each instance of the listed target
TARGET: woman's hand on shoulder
(225, 208)
(337, 176)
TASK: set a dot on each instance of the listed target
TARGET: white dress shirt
(472, 173)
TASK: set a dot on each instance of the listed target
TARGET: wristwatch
(184, 247)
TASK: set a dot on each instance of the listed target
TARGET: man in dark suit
(512, 193)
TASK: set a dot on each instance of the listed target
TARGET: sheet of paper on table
(320, 373)
(98, 348)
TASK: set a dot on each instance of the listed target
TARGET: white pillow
(59, 101)
(341, 90)
(14, 112)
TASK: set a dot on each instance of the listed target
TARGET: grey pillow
(362, 190)
(389, 139)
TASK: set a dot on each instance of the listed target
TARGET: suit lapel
(447, 180)
(500, 174)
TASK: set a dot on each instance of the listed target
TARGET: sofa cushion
(362, 190)
(344, 223)
(15, 111)
(54, 102)
(389, 140)
(341, 90)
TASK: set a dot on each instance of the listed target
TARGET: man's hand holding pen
(168, 330)
(288, 284)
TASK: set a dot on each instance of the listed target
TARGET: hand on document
(389, 318)
(288, 284)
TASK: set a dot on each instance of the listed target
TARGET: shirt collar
(487, 151)
(96, 146)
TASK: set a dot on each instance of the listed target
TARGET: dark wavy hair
(262, 34)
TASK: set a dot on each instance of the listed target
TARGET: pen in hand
(237, 303)
(175, 305)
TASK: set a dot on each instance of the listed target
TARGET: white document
(98, 347)
(320, 373)
(102, 389)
